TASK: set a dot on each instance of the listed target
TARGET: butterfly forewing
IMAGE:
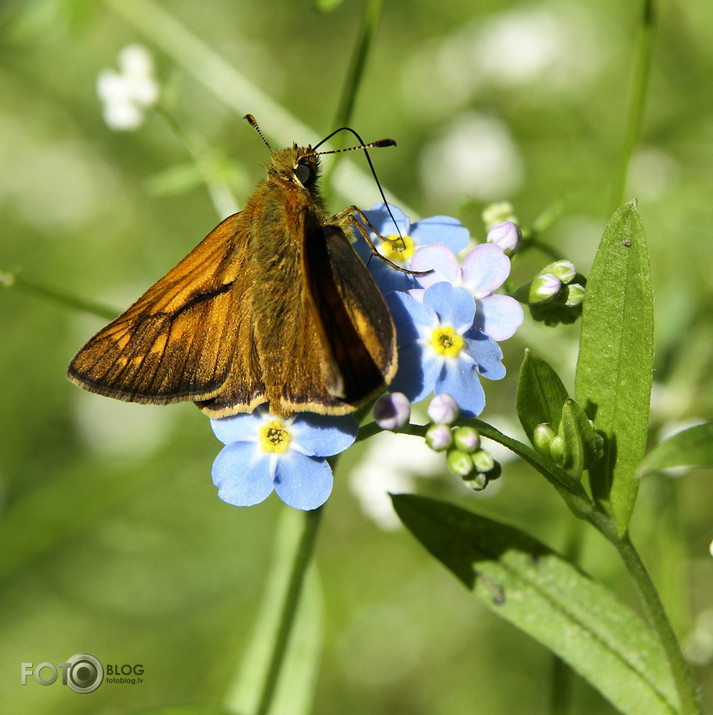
(178, 340)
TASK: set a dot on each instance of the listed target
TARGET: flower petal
(460, 380)
(445, 229)
(242, 427)
(499, 316)
(242, 474)
(439, 259)
(417, 372)
(455, 306)
(322, 435)
(486, 353)
(303, 482)
(413, 320)
(485, 269)
(380, 219)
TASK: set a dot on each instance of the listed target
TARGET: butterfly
(273, 307)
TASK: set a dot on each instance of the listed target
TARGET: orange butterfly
(274, 307)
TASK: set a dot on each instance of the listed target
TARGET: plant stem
(352, 83)
(654, 610)
(69, 300)
(659, 621)
(303, 555)
(640, 76)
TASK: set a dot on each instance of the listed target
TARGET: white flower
(125, 94)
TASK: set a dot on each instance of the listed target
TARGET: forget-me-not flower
(483, 271)
(440, 350)
(399, 249)
(264, 452)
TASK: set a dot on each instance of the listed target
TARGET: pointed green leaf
(540, 395)
(614, 370)
(692, 447)
(547, 597)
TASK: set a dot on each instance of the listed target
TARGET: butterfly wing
(355, 318)
(179, 339)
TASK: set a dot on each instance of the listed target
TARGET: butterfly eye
(304, 174)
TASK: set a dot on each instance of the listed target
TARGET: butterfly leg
(347, 216)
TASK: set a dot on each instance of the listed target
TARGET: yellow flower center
(274, 437)
(446, 342)
(398, 249)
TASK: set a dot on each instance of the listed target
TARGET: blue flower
(483, 271)
(401, 249)
(264, 452)
(439, 348)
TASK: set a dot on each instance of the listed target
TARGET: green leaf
(547, 597)
(614, 370)
(692, 447)
(540, 395)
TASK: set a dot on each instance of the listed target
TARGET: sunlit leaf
(614, 370)
(692, 447)
(551, 600)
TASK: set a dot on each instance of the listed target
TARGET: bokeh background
(112, 540)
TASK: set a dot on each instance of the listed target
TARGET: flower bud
(564, 270)
(574, 295)
(439, 437)
(507, 235)
(459, 463)
(477, 482)
(392, 411)
(497, 213)
(542, 436)
(466, 439)
(557, 449)
(544, 288)
(443, 409)
(483, 461)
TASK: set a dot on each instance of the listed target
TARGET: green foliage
(543, 594)
(615, 365)
(692, 447)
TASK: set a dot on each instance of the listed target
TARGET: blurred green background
(112, 540)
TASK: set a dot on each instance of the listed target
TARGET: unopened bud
(392, 411)
(459, 463)
(542, 437)
(443, 409)
(574, 293)
(544, 288)
(507, 235)
(466, 439)
(564, 270)
(439, 437)
(497, 213)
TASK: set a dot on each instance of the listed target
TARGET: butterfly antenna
(364, 147)
(253, 123)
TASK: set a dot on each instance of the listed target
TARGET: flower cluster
(448, 321)
(125, 94)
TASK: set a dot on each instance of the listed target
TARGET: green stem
(642, 66)
(654, 610)
(303, 555)
(10, 279)
(352, 84)
(353, 80)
